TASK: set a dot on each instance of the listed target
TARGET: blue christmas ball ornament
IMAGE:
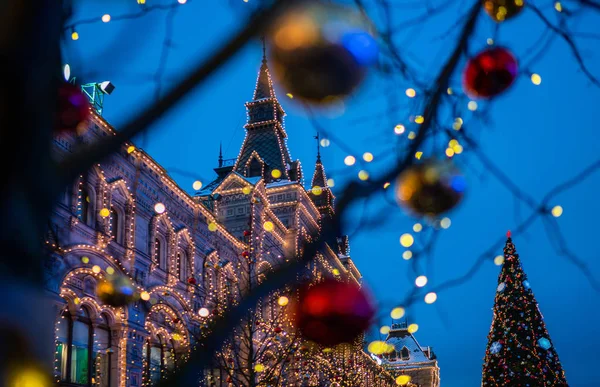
(495, 347)
(526, 284)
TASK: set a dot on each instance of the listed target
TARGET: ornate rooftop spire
(265, 149)
(264, 84)
(220, 154)
(320, 191)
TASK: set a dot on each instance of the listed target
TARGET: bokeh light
(421, 281)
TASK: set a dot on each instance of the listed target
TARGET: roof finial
(220, 154)
(264, 44)
(508, 234)
(318, 148)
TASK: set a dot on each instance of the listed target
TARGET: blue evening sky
(539, 136)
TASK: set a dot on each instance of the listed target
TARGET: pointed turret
(320, 192)
(264, 151)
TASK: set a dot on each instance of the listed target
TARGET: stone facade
(183, 261)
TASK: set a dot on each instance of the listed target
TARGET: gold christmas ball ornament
(430, 188)
(320, 52)
(501, 10)
(116, 291)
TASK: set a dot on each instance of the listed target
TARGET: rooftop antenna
(318, 148)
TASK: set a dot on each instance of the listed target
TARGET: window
(115, 228)
(86, 207)
(104, 352)
(255, 168)
(160, 255)
(405, 353)
(79, 358)
(162, 358)
(182, 258)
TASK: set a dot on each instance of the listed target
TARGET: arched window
(182, 258)
(85, 206)
(405, 353)
(104, 353)
(115, 227)
(159, 253)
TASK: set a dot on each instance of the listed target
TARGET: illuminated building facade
(182, 250)
(417, 364)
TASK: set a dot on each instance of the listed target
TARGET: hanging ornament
(321, 52)
(116, 291)
(544, 343)
(430, 188)
(490, 72)
(245, 254)
(501, 10)
(495, 347)
(501, 287)
(332, 312)
(73, 109)
(191, 281)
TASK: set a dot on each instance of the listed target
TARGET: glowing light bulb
(85, 259)
(258, 367)
(330, 182)
(105, 212)
(412, 135)
(399, 129)
(130, 149)
(247, 190)
(458, 122)
(536, 79)
(557, 211)
(558, 6)
(499, 260)
(110, 270)
(407, 255)
(384, 330)
(325, 142)
(472, 106)
(106, 18)
(417, 227)
(412, 328)
(335, 272)
(159, 208)
(349, 160)
(403, 380)
(430, 298)
(203, 312)
(290, 95)
(96, 269)
(419, 119)
(449, 152)
(490, 41)
(368, 157)
(397, 313)
(197, 185)
(283, 301)
(363, 175)
(182, 1)
(445, 223)
(377, 347)
(268, 226)
(411, 93)
(316, 190)
(212, 226)
(421, 281)
(74, 35)
(418, 155)
(276, 173)
(145, 295)
(386, 185)
(407, 240)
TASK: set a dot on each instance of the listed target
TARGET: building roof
(400, 337)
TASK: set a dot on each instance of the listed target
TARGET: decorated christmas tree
(519, 351)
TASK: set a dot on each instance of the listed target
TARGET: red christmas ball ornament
(332, 312)
(245, 254)
(191, 281)
(277, 330)
(490, 72)
(73, 109)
